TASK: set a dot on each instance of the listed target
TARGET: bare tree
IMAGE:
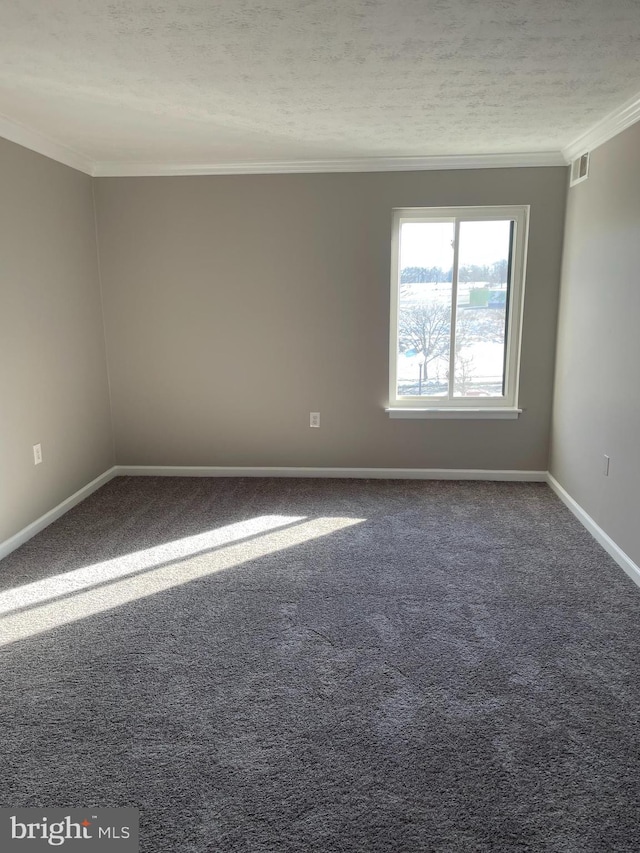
(465, 371)
(426, 328)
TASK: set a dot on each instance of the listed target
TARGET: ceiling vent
(579, 169)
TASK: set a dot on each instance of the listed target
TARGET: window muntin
(456, 304)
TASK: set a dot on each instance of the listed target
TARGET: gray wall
(236, 305)
(597, 387)
(53, 382)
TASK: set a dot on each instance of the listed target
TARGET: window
(457, 286)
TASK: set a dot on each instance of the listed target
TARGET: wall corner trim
(623, 560)
(54, 514)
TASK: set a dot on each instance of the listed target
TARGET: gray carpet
(325, 665)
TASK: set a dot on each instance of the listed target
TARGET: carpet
(325, 665)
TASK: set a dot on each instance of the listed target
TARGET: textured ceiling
(215, 81)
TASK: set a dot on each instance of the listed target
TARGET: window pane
(480, 339)
(424, 308)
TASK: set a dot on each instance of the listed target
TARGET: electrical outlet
(37, 454)
(605, 466)
(314, 419)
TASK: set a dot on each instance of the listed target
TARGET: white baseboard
(45, 520)
(54, 514)
(623, 560)
(347, 473)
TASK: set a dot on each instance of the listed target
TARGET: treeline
(495, 273)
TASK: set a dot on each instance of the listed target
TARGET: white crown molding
(604, 130)
(34, 141)
(367, 164)
(608, 127)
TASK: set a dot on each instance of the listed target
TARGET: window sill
(463, 414)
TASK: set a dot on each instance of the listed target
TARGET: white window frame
(492, 407)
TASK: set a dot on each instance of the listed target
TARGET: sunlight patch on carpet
(137, 561)
(157, 570)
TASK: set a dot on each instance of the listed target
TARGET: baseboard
(54, 514)
(347, 473)
(623, 560)
(48, 518)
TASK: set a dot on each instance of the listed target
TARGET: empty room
(319, 477)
